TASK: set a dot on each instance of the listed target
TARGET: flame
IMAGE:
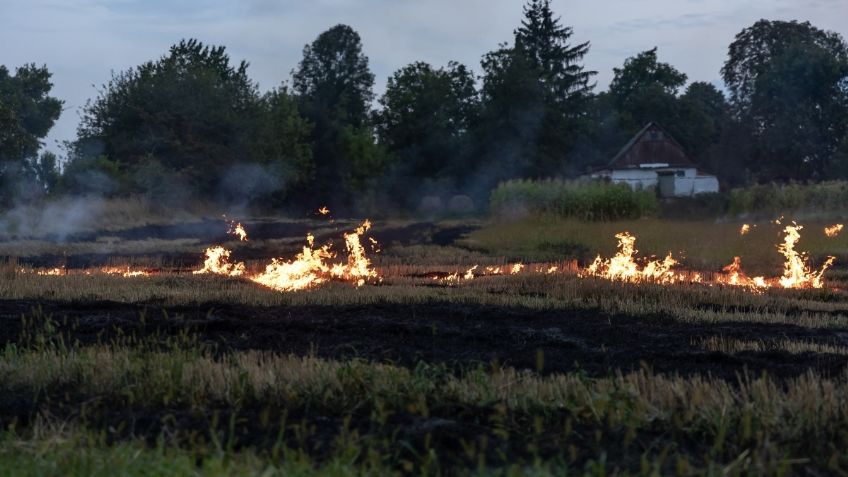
(125, 272)
(358, 266)
(734, 276)
(516, 268)
(238, 230)
(744, 229)
(324, 210)
(622, 267)
(51, 271)
(796, 272)
(218, 262)
(312, 267)
(833, 230)
(308, 269)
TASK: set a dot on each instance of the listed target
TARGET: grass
(564, 291)
(179, 410)
(171, 404)
(704, 245)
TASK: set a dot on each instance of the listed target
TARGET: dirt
(457, 335)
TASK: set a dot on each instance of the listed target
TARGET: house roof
(651, 145)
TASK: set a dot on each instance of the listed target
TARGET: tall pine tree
(536, 96)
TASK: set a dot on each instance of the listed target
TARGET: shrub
(578, 199)
(792, 197)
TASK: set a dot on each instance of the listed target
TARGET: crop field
(469, 347)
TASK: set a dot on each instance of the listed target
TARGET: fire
(455, 277)
(308, 269)
(238, 230)
(744, 229)
(312, 267)
(833, 230)
(796, 272)
(125, 272)
(734, 276)
(516, 268)
(218, 262)
(623, 267)
(324, 210)
(51, 271)
(358, 266)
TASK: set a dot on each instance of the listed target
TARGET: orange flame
(238, 230)
(622, 267)
(218, 262)
(311, 267)
(744, 229)
(125, 272)
(324, 210)
(833, 230)
(736, 277)
(796, 272)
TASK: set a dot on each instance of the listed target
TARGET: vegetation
(27, 112)
(701, 244)
(777, 199)
(172, 401)
(576, 199)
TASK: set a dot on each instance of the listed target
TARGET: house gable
(651, 147)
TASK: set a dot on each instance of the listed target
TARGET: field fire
(611, 248)
(316, 265)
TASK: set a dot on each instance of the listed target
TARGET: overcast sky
(83, 41)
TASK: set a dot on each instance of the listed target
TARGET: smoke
(55, 221)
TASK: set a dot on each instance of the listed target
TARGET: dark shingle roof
(651, 145)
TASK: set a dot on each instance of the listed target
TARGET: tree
(425, 122)
(188, 116)
(27, 113)
(535, 96)
(789, 85)
(645, 90)
(334, 88)
(545, 43)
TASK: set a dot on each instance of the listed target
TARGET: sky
(83, 42)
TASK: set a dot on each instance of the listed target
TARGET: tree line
(192, 124)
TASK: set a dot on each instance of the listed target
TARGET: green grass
(579, 199)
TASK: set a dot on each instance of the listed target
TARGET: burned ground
(458, 335)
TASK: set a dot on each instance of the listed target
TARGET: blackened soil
(457, 335)
(212, 232)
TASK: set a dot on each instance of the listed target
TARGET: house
(653, 159)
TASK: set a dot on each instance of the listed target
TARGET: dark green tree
(645, 90)
(789, 86)
(334, 88)
(425, 122)
(186, 119)
(535, 96)
(27, 112)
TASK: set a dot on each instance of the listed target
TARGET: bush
(792, 197)
(578, 199)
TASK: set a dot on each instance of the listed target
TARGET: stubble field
(532, 373)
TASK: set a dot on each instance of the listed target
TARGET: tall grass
(778, 199)
(578, 199)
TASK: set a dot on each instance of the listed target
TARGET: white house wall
(635, 178)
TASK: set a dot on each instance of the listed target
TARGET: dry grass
(668, 423)
(723, 344)
(560, 291)
(700, 244)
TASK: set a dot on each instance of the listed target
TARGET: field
(540, 372)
